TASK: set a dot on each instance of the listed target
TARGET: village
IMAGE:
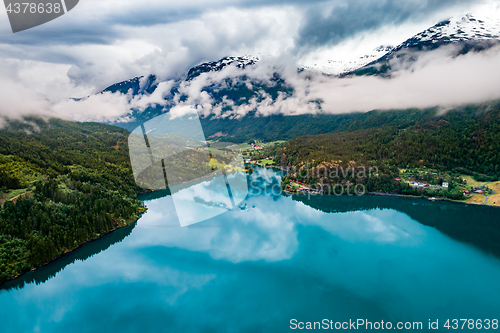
(427, 179)
(438, 184)
(294, 186)
(434, 184)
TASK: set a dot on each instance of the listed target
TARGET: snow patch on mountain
(458, 29)
(215, 66)
(458, 36)
(341, 64)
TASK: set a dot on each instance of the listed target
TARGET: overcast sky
(101, 42)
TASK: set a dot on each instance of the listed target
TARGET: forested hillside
(61, 184)
(467, 138)
(272, 128)
(461, 141)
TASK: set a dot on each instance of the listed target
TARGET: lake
(273, 259)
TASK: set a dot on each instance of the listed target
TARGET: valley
(53, 171)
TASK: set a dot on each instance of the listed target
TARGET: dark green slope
(467, 138)
(63, 184)
(273, 128)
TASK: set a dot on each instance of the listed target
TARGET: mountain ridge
(467, 32)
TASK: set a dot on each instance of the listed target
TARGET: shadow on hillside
(475, 225)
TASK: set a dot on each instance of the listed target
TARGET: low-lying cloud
(437, 78)
(434, 80)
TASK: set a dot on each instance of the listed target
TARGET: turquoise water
(274, 259)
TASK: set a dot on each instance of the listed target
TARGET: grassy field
(494, 200)
(495, 187)
(472, 182)
(478, 198)
(14, 194)
(265, 162)
(242, 146)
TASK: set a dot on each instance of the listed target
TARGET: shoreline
(403, 196)
(432, 199)
(485, 204)
(143, 210)
(70, 251)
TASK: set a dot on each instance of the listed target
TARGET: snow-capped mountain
(227, 93)
(141, 84)
(468, 33)
(239, 62)
(137, 85)
(455, 30)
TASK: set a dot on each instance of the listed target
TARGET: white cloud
(141, 102)
(434, 80)
(99, 108)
